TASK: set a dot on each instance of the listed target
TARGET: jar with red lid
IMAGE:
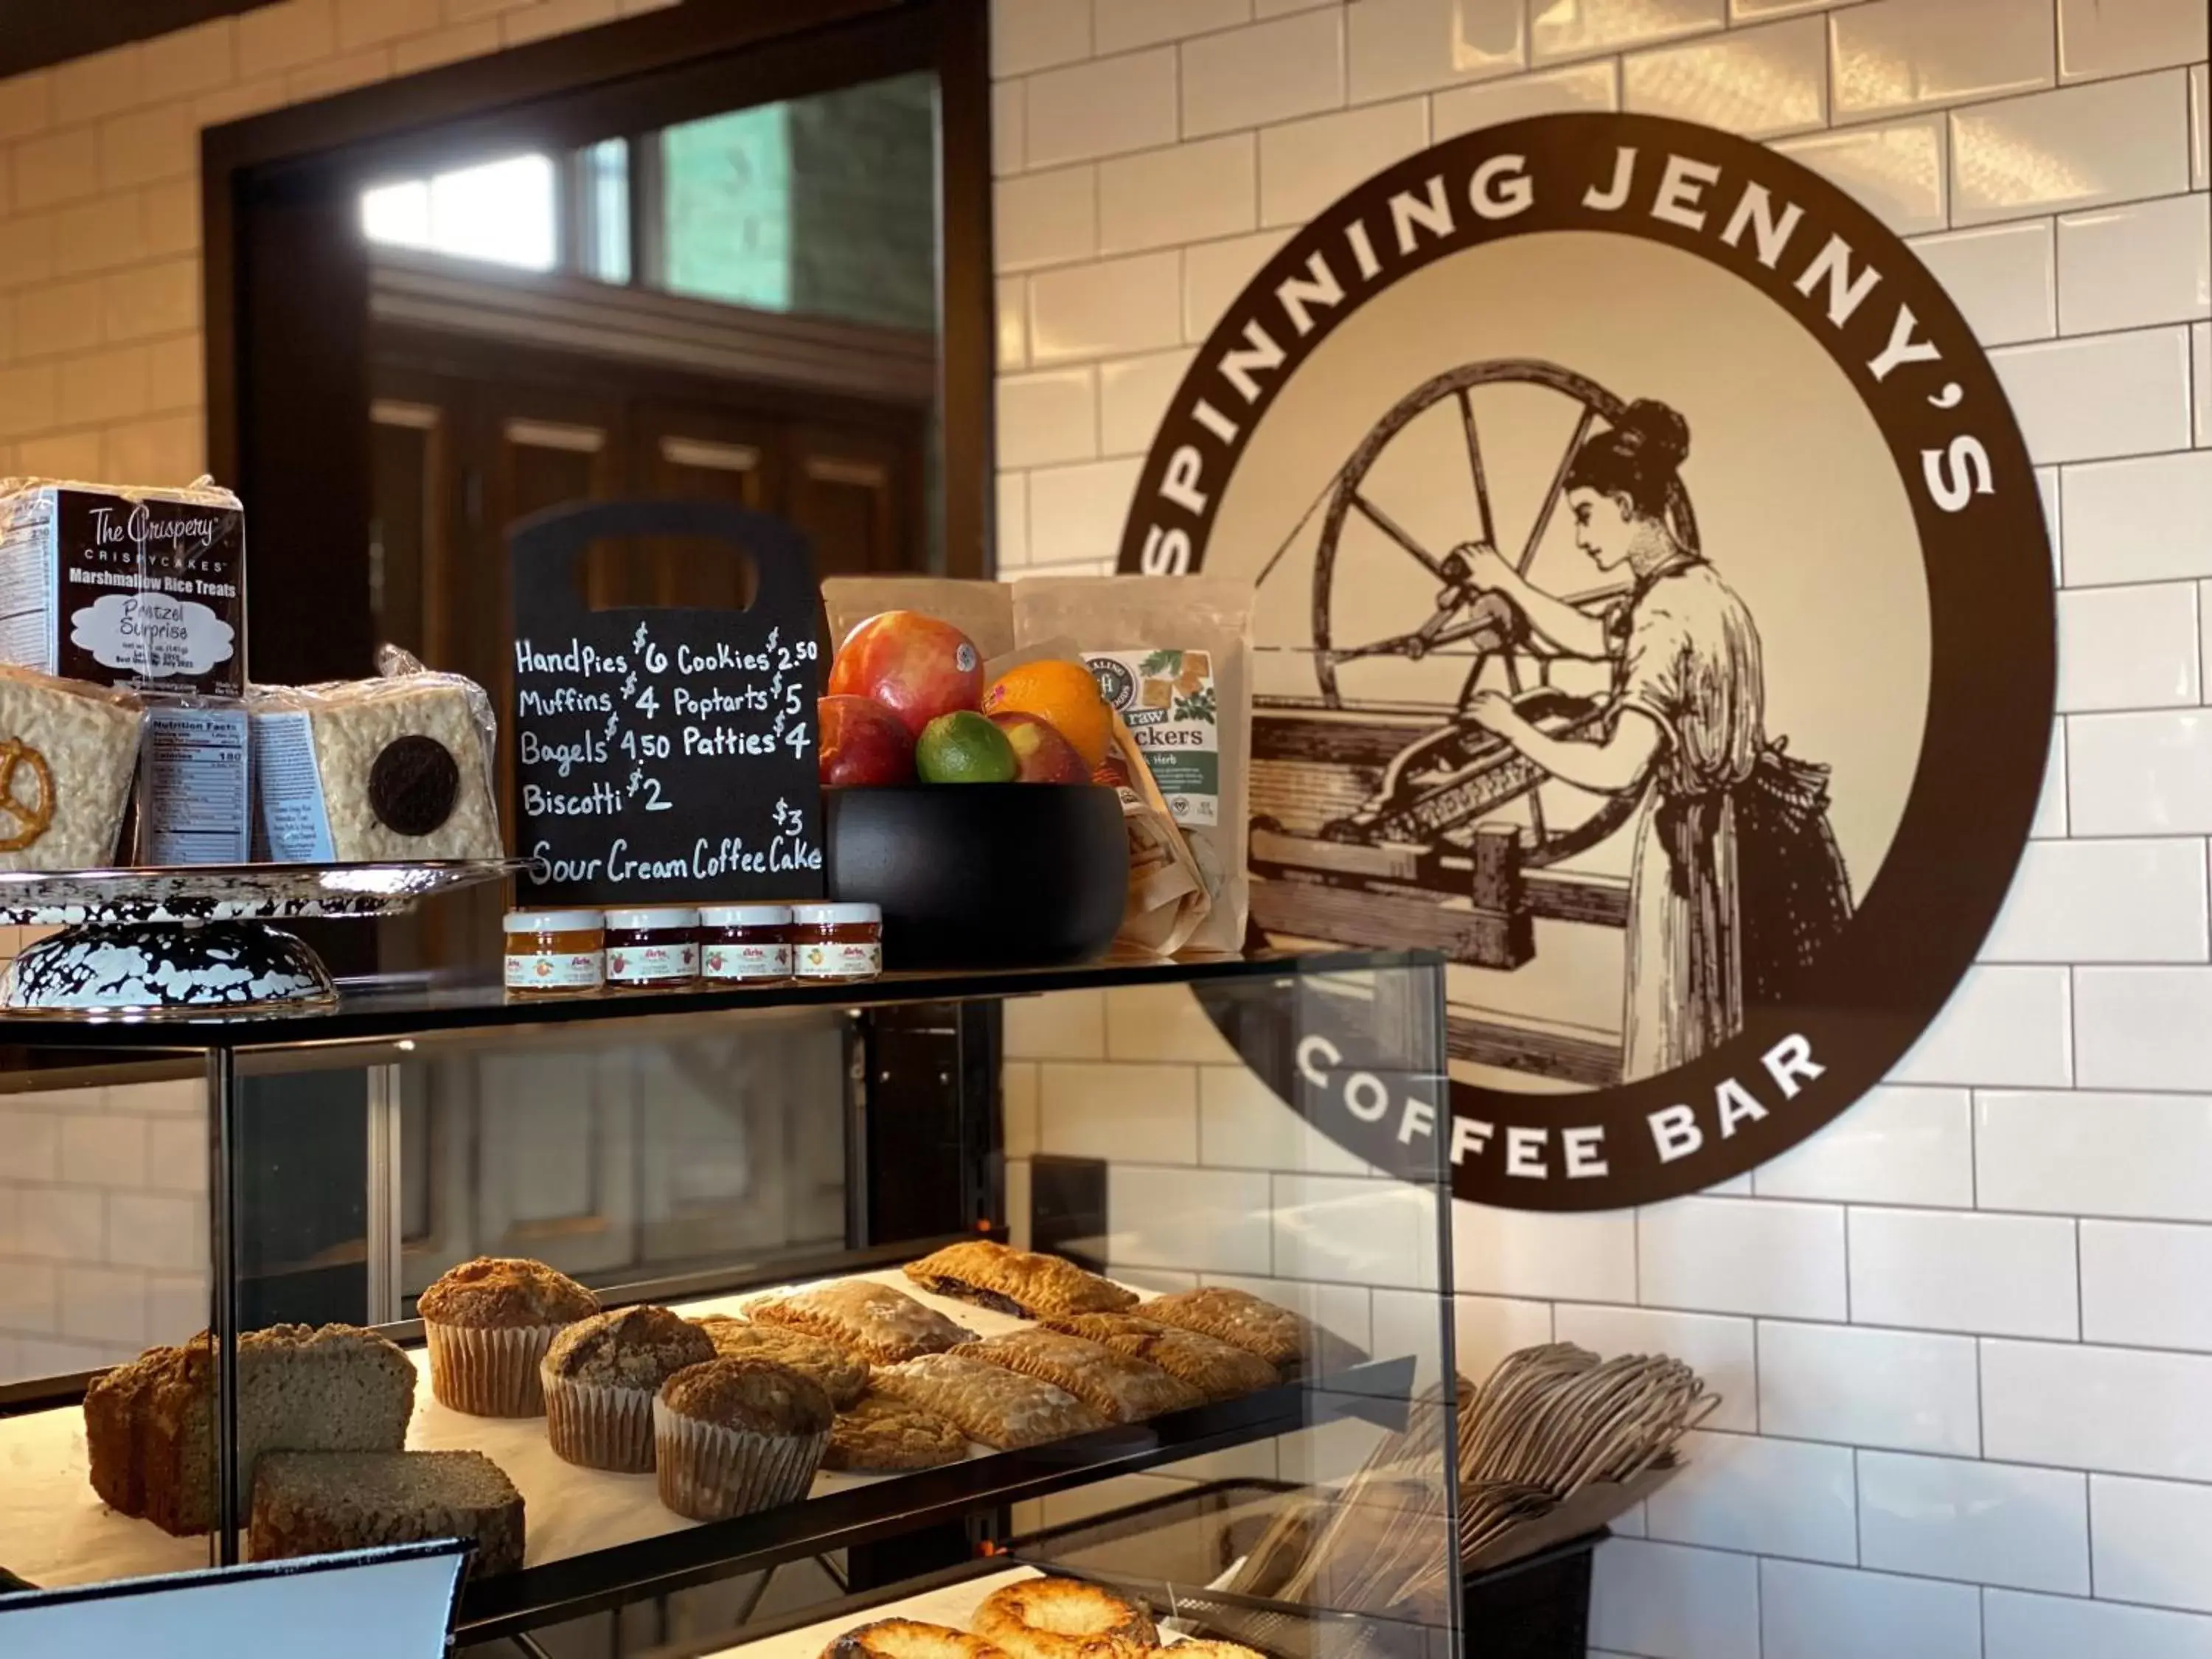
(745, 944)
(655, 949)
(837, 941)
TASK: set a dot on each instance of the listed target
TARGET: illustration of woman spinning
(1737, 883)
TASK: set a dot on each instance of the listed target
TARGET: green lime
(963, 747)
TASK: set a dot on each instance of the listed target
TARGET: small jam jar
(555, 952)
(745, 944)
(656, 949)
(837, 941)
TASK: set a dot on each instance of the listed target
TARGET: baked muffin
(736, 1435)
(488, 1323)
(601, 1377)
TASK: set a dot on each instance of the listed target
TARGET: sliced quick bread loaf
(311, 1503)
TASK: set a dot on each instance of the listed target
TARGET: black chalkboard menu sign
(664, 755)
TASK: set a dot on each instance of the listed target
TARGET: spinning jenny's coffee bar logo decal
(1654, 616)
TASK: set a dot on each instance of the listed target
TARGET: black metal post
(222, 1261)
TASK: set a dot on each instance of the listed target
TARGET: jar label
(560, 970)
(766, 960)
(644, 964)
(840, 961)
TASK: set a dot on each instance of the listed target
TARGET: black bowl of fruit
(968, 811)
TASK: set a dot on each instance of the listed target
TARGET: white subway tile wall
(103, 1223)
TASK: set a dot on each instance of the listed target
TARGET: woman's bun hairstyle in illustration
(1638, 457)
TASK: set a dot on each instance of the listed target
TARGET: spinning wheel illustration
(1445, 780)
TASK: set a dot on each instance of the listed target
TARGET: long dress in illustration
(1736, 886)
(1690, 661)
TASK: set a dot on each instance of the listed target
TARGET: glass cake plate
(235, 892)
(184, 940)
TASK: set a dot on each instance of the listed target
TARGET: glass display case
(1282, 1478)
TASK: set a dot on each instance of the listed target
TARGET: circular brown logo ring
(29, 819)
(1846, 1018)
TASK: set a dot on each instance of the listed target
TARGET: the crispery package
(1171, 655)
(66, 750)
(982, 610)
(122, 586)
(396, 768)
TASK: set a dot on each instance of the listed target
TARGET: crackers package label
(1167, 700)
(139, 588)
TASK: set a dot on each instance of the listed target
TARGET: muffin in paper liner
(710, 1472)
(487, 1371)
(598, 1425)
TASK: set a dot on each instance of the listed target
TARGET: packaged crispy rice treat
(66, 750)
(397, 769)
(143, 589)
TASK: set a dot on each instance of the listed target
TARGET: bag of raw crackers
(1171, 655)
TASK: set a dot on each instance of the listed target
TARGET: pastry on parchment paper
(67, 753)
(882, 1325)
(736, 1435)
(313, 1503)
(1218, 1369)
(1066, 1618)
(990, 1404)
(1020, 1282)
(834, 1370)
(1279, 1336)
(149, 1425)
(910, 1639)
(883, 1431)
(1119, 1389)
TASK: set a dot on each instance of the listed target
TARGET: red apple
(863, 743)
(914, 665)
(1041, 754)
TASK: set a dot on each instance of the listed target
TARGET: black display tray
(582, 1584)
(369, 1010)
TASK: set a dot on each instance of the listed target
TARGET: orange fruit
(1062, 694)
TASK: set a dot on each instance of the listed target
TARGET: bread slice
(149, 1425)
(311, 1503)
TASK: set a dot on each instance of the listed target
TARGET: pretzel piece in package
(397, 769)
(67, 752)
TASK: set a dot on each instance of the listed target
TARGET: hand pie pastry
(882, 1325)
(1119, 1389)
(1218, 1369)
(1017, 1282)
(1243, 1321)
(997, 1407)
(1066, 1618)
(833, 1369)
(885, 1432)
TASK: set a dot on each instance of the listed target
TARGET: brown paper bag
(1167, 899)
(1172, 655)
